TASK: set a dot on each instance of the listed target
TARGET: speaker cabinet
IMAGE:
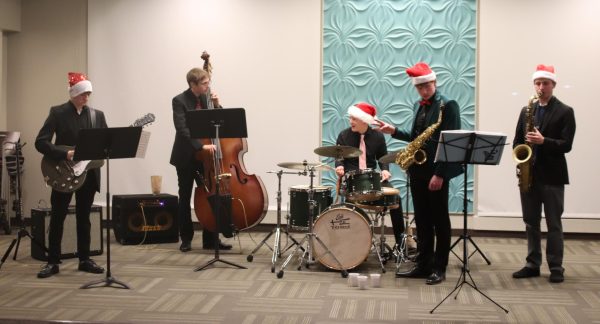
(40, 226)
(141, 219)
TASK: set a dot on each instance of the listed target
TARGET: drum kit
(339, 236)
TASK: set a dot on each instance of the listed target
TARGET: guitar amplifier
(141, 219)
(40, 225)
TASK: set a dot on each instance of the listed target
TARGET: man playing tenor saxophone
(428, 180)
(550, 138)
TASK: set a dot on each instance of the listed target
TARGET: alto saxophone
(522, 153)
(413, 152)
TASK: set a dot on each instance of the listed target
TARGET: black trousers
(433, 224)
(185, 181)
(84, 198)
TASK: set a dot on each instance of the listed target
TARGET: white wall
(265, 56)
(515, 36)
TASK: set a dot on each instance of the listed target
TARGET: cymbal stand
(310, 237)
(277, 230)
(382, 249)
(401, 251)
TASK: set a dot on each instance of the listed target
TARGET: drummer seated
(371, 147)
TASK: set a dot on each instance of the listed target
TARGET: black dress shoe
(90, 266)
(556, 276)
(185, 246)
(526, 272)
(415, 272)
(48, 270)
(222, 246)
(436, 277)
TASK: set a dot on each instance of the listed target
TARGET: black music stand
(469, 147)
(216, 124)
(107, 143)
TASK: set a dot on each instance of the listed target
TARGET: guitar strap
(93, 116)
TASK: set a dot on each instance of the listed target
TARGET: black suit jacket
(450, 121)
(184, 147)
(558, 129)
(64, 122)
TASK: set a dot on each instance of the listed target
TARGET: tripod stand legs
(462, 280)
(277, 251)
(477, 249)
(16, 242)
(105, 282)
(307, 255)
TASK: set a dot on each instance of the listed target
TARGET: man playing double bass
(183, 155)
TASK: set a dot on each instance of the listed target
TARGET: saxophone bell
(420, 157)
(522, 153)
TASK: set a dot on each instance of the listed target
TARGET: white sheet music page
(143, 145)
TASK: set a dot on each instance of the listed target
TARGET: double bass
(243, 202)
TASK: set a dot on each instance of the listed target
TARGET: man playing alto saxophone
(429, 180)
(551, 138)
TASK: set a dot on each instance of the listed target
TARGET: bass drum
(346, 231)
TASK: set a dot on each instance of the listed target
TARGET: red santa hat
(363, 111)
(544, 71)
(78, 84)
(420, 73)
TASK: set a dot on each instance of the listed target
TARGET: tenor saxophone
(413, 152)
(522, 153)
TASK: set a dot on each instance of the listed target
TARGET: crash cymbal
(338, 151)
(389, 158)
(316, 166)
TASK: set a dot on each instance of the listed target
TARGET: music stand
(469, 147)
(215, 124)
(107, 143)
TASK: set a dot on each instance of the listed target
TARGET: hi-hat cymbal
(389, 158)
(338, 151)
(305, 166)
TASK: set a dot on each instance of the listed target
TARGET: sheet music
(143, 145)
(454, 144)
(488, 147)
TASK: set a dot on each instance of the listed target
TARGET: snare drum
(389, 200)
(346, 230)
(363, 185)
(299, 204)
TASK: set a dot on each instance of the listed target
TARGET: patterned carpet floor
(166, 289)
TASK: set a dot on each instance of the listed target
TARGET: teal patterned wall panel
(368, 44)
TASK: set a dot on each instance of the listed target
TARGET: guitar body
(68, 176)
(60, 175)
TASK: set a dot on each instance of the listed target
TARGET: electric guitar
(68, 176)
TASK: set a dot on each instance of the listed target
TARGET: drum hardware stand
(384, 251)
(19, 215)
(401, 249)
(277, 251)
(468, 158)
(307, 256)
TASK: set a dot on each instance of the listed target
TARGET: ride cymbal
(338, 151)
(305, 166)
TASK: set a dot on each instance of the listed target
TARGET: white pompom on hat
(363, 111)
(420, 73)
(78, 84)
(544, 71)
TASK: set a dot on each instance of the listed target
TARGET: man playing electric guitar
(65, 121)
